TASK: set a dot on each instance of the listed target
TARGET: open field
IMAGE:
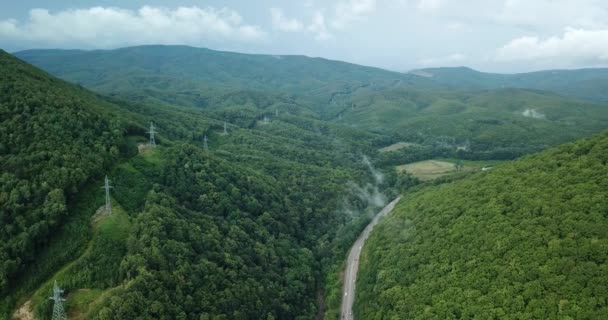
(433, 169)
(397, 146)
(428, 169)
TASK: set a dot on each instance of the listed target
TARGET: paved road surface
(352, 264)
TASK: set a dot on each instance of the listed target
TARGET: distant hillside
(590, 84)
(495, 123)
(182, 69)
(525, 240)
(453, 107)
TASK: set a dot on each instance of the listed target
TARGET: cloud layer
(282, 23)
(490, 35)
(343, 14)
(573, 47)
(108, 27)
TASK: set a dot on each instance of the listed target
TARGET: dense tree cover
(252, 228)
(214, 240)
(255, 222)
(40, 169)
(460, 104)
(191, 72)
(493, 124)
(583, 83)
(525, 240)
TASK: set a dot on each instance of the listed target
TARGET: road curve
(352, 264)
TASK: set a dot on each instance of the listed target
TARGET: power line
(107, 186)
(58, 311)
(152, 132)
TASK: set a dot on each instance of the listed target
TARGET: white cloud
(108, 26)
(548, 14)
(318, 26)
(282, 23)
(349, 11)
(429, 5)
(448, 60)
(343, 14)
(574, 46)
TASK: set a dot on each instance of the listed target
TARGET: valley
(352, 262)
(259, 196)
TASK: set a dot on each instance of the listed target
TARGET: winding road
(352, 264)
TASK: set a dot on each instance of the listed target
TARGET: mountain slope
(195, 71)
(495, 123)
(500, 123)
(246, 229)
(527, 239)
(591, 84)
(39, 169)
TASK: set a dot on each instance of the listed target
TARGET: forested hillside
(242, 226)
(197, 74)
(261, 179)
(39, 169)
(591, 84)
(525, 240)
(488, 119)
(492, 124)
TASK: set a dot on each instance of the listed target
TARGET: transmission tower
(265, 120)
(276, 112)
(205, 144)
(58, 311)
(152, 132)
(225, 129)
(107, 186)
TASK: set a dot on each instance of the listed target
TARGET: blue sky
(490, 35)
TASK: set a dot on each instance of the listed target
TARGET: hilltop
(526, 239)
(590, 84)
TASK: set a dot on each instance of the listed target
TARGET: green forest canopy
(525, 240)
(254, 223)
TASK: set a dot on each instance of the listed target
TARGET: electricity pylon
(107, 186)
(152, 132)
(58, 311)
(205, 145)
(225, 129)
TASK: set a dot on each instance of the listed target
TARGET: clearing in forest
(429, 169)
(433, 169)
(397, 146)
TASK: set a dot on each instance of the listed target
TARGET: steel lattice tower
(152, 132)
(58, 311)
(225, 129)
(205, 145)
(107, 187)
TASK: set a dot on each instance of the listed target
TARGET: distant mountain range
(518, 113)
(591, 84)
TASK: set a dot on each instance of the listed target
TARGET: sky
(504, 36)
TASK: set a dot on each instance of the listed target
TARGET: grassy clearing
(397, 146)
(428, 169)
(96, 269)
(79, 301)
(432, 169)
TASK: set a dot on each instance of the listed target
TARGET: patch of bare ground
(24, 312)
